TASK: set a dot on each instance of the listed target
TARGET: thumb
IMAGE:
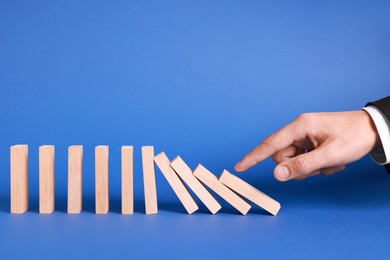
(301, 165)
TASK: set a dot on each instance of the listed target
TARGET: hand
(315, 143)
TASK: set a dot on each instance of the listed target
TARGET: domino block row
(177, 173)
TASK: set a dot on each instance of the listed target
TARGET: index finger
(272, 144)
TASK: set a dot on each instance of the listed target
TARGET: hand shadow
(362, 185)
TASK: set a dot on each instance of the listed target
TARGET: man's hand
(315, 143)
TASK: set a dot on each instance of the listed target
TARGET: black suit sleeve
(384, 106)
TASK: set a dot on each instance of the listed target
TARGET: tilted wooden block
(249, 192)
(101, 179)
(149, 180)
(19, 178)
(127, 180)
(185, 173)
(178, 187)
(214, 184)
(46, 179)
(75, 177)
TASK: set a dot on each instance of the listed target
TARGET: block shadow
(171, 206)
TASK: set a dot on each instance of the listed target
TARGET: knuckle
(303, 164)
(305, 117)
(269, 138)
(300, 118)
(253, 158)
(269, 143)
(249, 158)
(256, 158)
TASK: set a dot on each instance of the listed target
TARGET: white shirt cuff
(382, 123)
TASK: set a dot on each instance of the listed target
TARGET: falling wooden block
(46, 179)
(214, 184)
(178, 187)
(75, 177)
(249, 192)
(185, 173)
(127, 180)
(19, 178)
(101, 179)
(149, 180)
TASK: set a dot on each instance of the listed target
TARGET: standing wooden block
(75, 176)
(185, 173)
(46, 179)
(249, 192)
(19, 178)
(178, 187)
(213, 183)
(101, 179)
(127, 180)
(149, 180)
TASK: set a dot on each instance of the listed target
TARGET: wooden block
(149, 180)
(185, 173)
(214, 184)
(127, 180)
(249, 192)
(75, 177)
(101, 179)
(178, 187)
(46, 179)
(19, 178)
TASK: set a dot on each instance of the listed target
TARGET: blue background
(206, 80)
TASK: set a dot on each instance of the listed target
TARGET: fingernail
(282, 172)
(237, 165)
